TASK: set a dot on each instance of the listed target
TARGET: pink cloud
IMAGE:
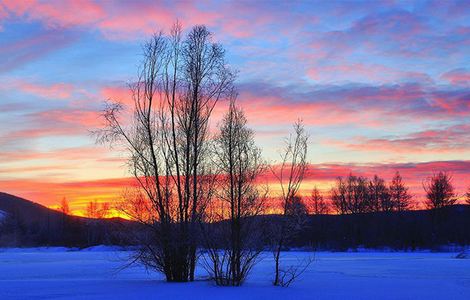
(449, 140)
(268, 109)
(54, 122)
(363, 72)
(70, 116)
(50, 91)
(57, 13)
(139, 18)
(129, 19)
(132, 19)
(120, 94)
(457, 76)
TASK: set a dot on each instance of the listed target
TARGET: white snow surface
(60, 273)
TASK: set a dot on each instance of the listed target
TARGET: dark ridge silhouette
(30, 224)
(25, 223)
(30, 212)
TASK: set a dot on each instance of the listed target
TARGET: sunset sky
(381, 86)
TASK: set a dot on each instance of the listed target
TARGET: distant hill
(25, 223)
(28, 211)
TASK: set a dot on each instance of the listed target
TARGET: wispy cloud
(18, 53)
(452, 139)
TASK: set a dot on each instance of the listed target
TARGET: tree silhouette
(64, 206)
(317, 204)
(351, 195)
(233, 246)
(167, 138)
(378, 196)
(439, 191)
(290, 176)
(399, 196)
(467, 195)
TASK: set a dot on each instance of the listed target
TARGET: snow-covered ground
(96, 274)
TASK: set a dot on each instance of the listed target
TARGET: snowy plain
(61, 273)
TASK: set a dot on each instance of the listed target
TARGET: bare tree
(439, 191)
(233, 245)
(378, 196)
(105, 210)
(179, 83)
(92, 210)
(64, 206)
(399, 196)
(296, 207)
(467, 196)
(317, 204)
(351, 195)
(290, 176)
(95, 210)
(338, 196)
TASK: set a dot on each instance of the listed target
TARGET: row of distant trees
(94, 209)
(358, 194)
(353, 194)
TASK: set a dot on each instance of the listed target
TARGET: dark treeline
(399, 230)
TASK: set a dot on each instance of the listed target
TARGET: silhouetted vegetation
(293, 211)
(439, 191)
(233, 247)
(399, 195)
(29, 224)
(316, 204)
(467, 196)
(357, 194)
(180, 80)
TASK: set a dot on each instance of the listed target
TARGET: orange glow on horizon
(323, 176)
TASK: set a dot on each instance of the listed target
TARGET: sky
(382, 86)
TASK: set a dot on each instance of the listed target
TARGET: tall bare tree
(179, 83)
(289, 176)
(378, 196)
(338, 196)
(233, 245)
(317, 204)
(399, 195)
(439, 191)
